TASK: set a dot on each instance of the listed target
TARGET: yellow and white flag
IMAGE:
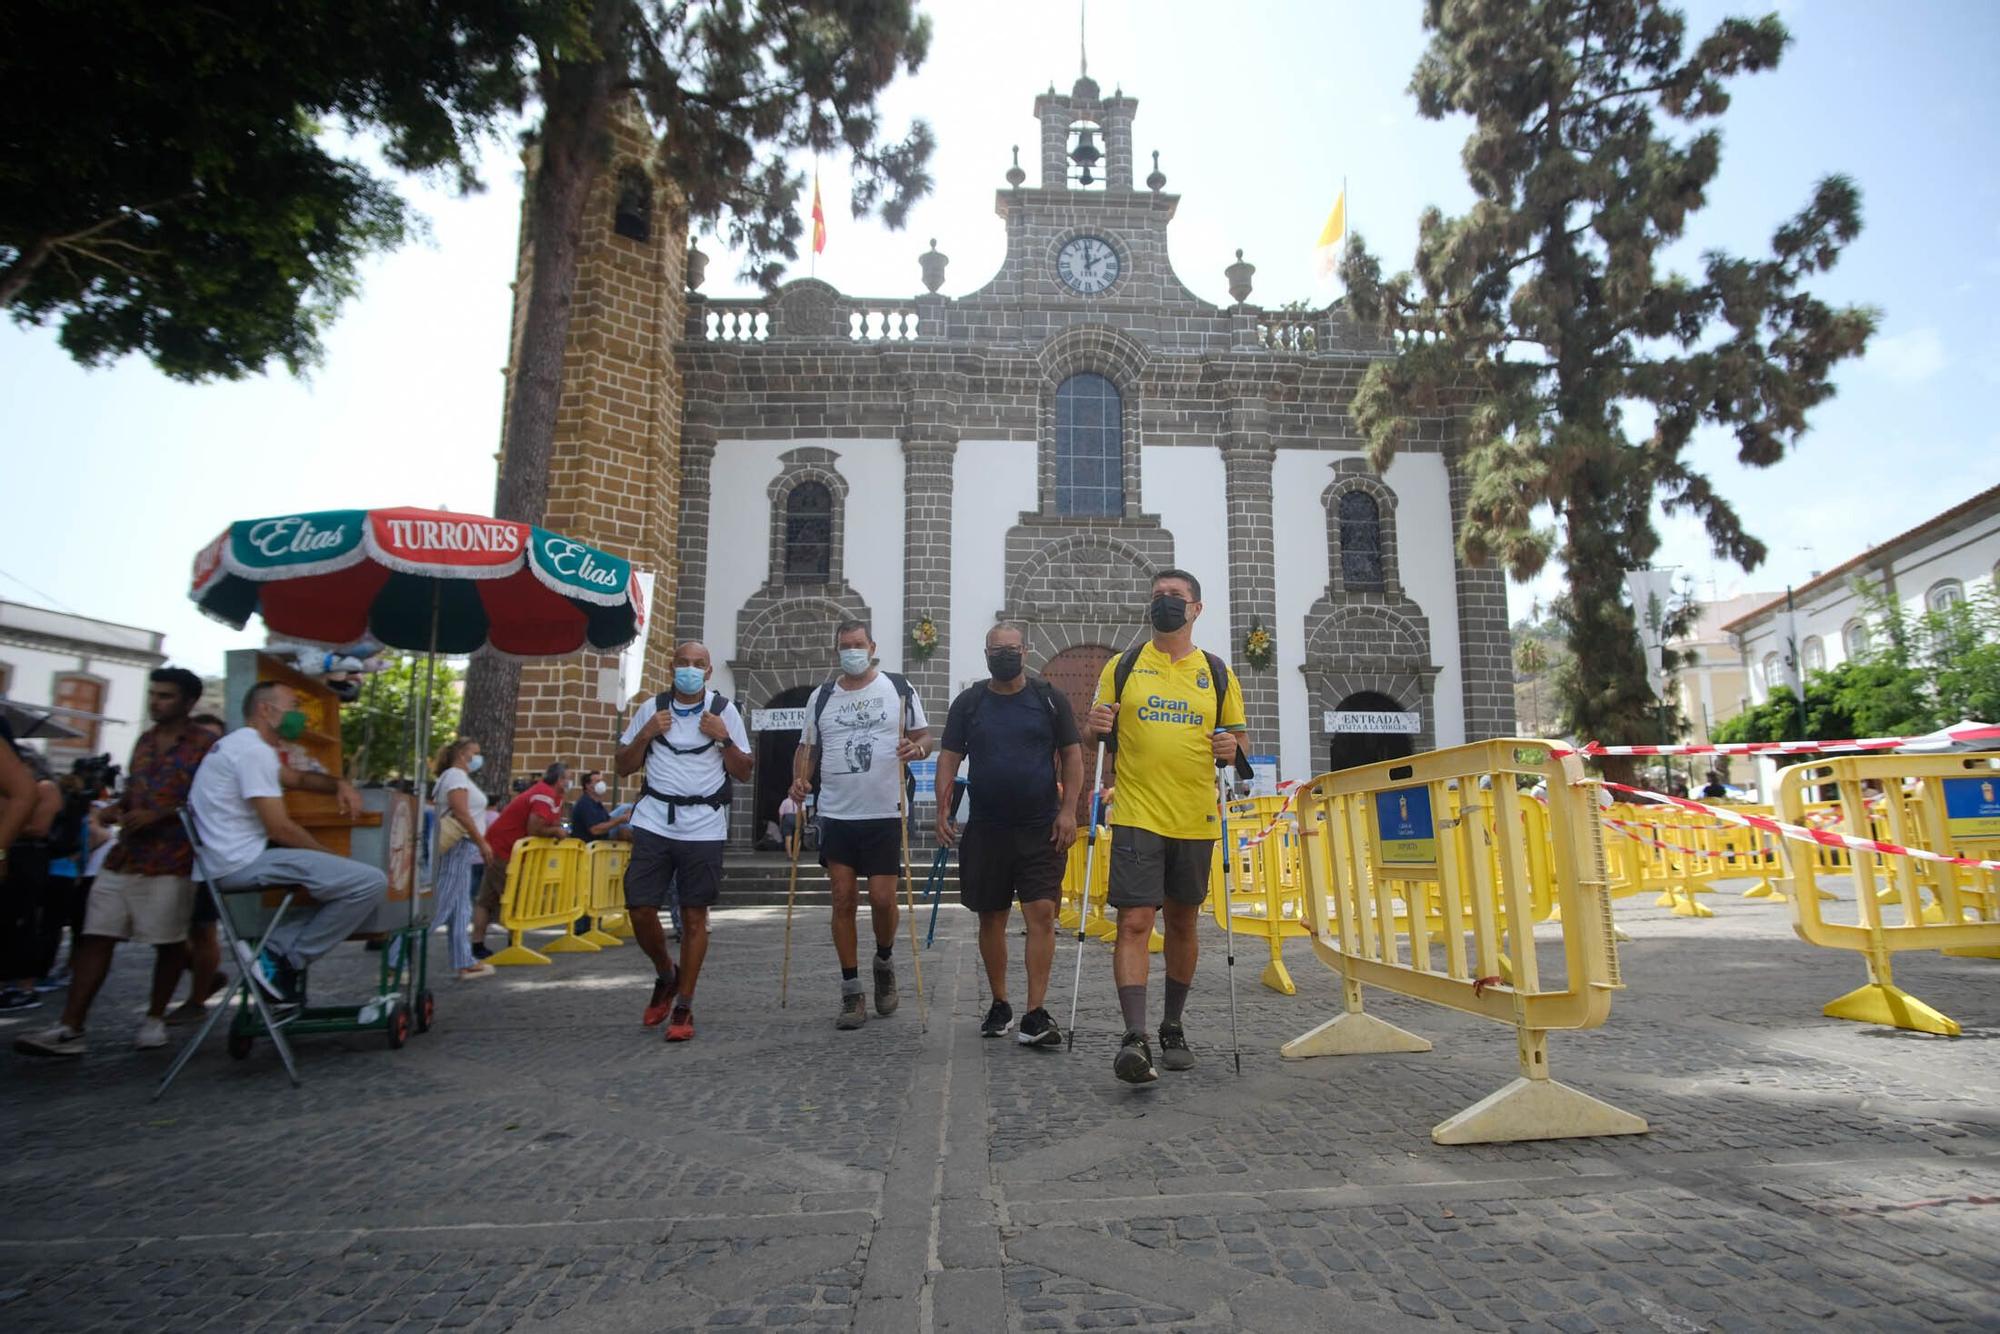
(1326, 252)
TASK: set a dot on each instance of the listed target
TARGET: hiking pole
(791, 898)
(1228, 882)
(1083, 904)
(935, 885)
(909, 882)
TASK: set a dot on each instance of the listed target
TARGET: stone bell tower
(614, 473)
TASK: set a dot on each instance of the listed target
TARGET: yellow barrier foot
(517, 954)
(1155, 944)
(1762, 891)
(1620, 934)
(1101, 930)
(1666, 900)
(1876, 1003)
(1691, 908)
(1352, 1034)
(601, 939)
(1277, 979)
(570, 945)
(1536, 1109)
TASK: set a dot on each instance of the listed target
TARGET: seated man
(250, 839)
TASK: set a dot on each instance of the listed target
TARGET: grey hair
(849, 627)
(1015, 626)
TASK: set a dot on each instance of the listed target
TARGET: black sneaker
(479, 951)
(1134, 1062)
(998, 1020)
(16, 998)
(1038, 1030)
(1174, 1051)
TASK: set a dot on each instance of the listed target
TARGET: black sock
(849, 974)
(664, 979)
(1132, 1000)
(1176, 1001)
(883, 952)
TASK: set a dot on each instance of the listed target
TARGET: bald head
(692, 653)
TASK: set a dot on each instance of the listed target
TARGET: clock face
(1087, 265)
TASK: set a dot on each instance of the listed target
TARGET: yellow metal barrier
(604, 863)
(1951, 805)
(1103, 923)
(1268, 901)
(1369, 830)
(545, 888)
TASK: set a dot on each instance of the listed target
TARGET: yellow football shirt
(1166, 769)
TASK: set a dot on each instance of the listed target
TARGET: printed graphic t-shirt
(859, 776)
(1166, 769)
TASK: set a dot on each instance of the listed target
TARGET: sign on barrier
(1971, 808)
(1404, 827)
(1439, 932)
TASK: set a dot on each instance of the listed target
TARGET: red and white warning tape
(1637, 834)
(1960, 735)
(1831, 838)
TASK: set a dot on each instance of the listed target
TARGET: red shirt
(512, 826)
(157, 783)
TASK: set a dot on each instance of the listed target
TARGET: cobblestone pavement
(541, 1162)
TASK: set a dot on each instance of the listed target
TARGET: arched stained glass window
(1090, 447)
(809, 534)
(1360, 541)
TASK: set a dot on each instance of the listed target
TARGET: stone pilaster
(1247, 455)
(930, 447)
(697, 466)
(1485, 643)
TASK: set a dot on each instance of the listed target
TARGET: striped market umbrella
(428, 581)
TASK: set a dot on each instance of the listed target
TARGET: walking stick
(791, 898)
(934, 887)
(1228, 881)
(1083, 907)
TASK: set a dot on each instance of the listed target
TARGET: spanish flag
(819, 219)
(1326, 251)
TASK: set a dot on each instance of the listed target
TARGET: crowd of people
(1170, 715)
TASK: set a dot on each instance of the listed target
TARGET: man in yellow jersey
(1177, 713)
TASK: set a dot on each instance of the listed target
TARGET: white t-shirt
(453, 780)
(236, 769)
(857, 768)
(684, 775)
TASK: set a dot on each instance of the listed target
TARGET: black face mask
(1004, 664)
(1169, 613)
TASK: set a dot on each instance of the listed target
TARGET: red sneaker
(663, 999)
(681, 1027)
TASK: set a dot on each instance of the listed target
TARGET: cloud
(1909, 358)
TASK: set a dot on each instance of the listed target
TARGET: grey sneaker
(62, 1040)
(1174, 1051)
(886, 999)
(853, 1011)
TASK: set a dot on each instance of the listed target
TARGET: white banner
(1358, 720)
(777, 720)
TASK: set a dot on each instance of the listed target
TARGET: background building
(95, 671)
(1712, 685)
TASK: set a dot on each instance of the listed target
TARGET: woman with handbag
(461, 841)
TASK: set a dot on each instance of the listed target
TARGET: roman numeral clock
(1087, 265)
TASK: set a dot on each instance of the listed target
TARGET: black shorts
(690, 869)
(1000, 863)
(204, 913)
(868, 847)
(1147, 868)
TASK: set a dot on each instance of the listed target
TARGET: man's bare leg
(993, 951)
(1040, 953)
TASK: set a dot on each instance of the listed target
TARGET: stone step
(762, 878)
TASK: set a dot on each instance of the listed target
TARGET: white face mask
(854, 661)
(475, 764)
(598, 789)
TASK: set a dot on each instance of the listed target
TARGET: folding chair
(249, 995)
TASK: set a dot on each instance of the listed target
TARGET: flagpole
(812, 264)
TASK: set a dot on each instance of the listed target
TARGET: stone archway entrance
(1074, 671)
(774, 750)
(1348, 749)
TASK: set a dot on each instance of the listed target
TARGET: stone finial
(1239, 278)
(1014, 173)
(1157, 181)
(933, 264)
(697, 266)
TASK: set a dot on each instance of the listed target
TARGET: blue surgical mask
(689, 680)
(854, 661)
(475, 764)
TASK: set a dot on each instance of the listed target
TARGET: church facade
(1033, 452)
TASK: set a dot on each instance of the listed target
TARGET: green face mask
(292, 724)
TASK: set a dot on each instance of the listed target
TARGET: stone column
(698, 432)
(930, 447)
(1247, 455)
(1485, 641)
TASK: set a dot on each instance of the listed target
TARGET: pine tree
(1541, 318)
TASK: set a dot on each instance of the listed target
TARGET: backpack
(904, 692)
(1218, 672)
(1043, 690)
(719, 798)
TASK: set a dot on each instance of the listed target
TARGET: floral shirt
(157, 782)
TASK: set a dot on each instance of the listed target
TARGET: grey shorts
(687, 868)
(1147, 868)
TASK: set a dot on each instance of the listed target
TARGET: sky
(113, 478)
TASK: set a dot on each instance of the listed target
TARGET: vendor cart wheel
(239, 1045)
(427, 1008)
(399, 1026)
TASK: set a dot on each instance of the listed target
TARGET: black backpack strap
(1119, 676)
(906, 693)
(717, 703)
(1218, 671)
